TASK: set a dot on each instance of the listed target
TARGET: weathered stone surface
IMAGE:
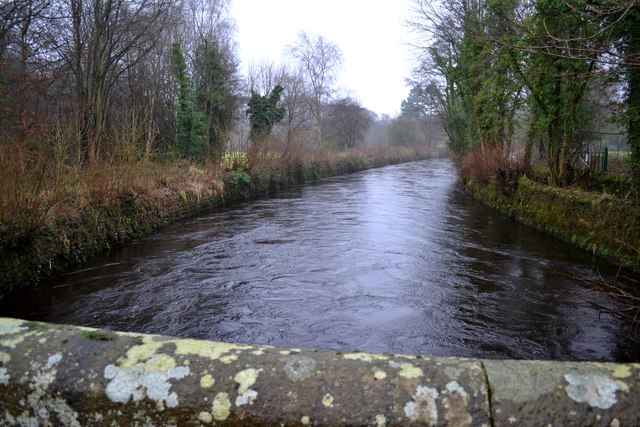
(65, 375)
(564, 393)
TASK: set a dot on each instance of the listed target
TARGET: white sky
(370, 34)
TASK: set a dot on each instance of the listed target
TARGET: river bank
(600, 223)
(71, 239)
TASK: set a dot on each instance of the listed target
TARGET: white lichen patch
(53, 360)
(207, 381)
(407, 370)
(381, 420)
(50, 410)
(4, 357)
(365, 357)
(454, 387)
(423, 408)
(221, 408)
(599, 391)
(246, 379)
(327, 400)
(247, 398)
(305, 420)
(149, 379)
(380, 375)
(4, 376)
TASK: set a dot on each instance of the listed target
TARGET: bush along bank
(602, 224)
(73, 239)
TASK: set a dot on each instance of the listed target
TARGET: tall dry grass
(484, 163)
(44, 179)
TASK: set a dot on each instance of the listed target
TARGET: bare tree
(347, 123)
(109, 37)
(319, 59)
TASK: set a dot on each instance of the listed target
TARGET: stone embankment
(73, 376)
(605, 224)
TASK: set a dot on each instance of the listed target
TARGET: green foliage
(239, 176)
(214, 87)
(264, 113)
(190, 126)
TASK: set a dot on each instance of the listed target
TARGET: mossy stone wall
(597, 222)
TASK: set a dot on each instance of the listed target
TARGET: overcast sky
(370, 33)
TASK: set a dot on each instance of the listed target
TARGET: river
(396, 259)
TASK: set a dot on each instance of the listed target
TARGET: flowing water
(395, 260)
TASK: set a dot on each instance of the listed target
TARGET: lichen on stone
(327, 400)
(598, 391)
(221, 408)
(207, 381)
(407, 370)
(423, 408)
(150, 379)
(246, 379)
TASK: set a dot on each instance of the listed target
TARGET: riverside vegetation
(118, 117)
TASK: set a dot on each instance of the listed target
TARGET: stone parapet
(75, 376)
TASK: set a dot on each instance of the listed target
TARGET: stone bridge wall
(73, 376)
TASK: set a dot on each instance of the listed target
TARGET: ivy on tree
(190, 127)
(264, 113)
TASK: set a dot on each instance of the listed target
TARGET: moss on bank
(72, 240)
(599, 223)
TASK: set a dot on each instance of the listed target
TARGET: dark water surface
(394, 260)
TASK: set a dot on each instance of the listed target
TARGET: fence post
(605, 160)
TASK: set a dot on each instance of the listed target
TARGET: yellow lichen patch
(365, 357)
(381, 420)
(221, 408)
(4, 357)
(622, 371)
(258, 352)
(13, 342)
(7, 324)
(407, 370)
(285, 352)
(246, 379)
(207, 381)
(205, 349)
(623, 386)
(327, 400)
(205, 417)
(380, 375)
(160, 362)
(230, 358)
(140, 353)
(305, 420)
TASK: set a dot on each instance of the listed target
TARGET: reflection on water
(393, 260)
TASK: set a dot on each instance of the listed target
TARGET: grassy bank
(63, 226)
(600, 223)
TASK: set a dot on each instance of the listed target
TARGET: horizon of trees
(103, 80)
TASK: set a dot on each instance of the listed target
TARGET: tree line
(543, 74)
(147, 78)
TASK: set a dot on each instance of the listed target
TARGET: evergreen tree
(214, 76)
(190, 129)
(264, 113)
